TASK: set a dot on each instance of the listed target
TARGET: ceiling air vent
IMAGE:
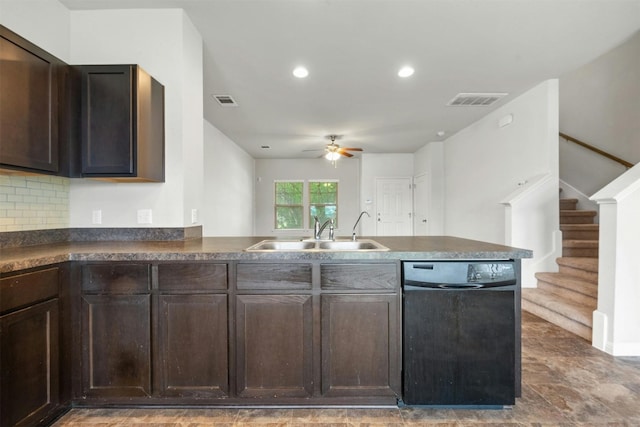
(475, 99)
(225, 100)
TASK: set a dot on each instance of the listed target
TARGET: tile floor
(566, 382)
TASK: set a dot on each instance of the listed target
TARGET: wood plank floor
(566, 382)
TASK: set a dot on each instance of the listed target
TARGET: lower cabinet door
(29, 364)
(116, 348)
(193, 346)
(360, 345)
(274, 335)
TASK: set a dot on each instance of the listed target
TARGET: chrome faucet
(353, 235)
(318, 229)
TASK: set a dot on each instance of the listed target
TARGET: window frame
(276, 205)
(307, 221)
(309, 204)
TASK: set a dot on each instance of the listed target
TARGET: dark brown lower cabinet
(360, 345)
(29, 364)
(274, 346)
(192, 359)
(116, 345)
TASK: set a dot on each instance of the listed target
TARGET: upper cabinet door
(28, 105)
(122, 123)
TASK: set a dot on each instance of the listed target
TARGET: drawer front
(192, 277)
(28, 288)
(359, 276)
(274, 276)
(116, 277)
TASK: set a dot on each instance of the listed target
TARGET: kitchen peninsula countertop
(233, 248)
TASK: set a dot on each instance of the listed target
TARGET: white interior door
(394, 207)
(420, 205)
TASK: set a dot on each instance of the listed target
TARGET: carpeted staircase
(569, 297)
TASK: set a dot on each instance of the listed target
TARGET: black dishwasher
(461, 333)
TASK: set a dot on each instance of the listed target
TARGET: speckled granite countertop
(232, 248)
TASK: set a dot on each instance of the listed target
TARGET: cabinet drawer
(359, 276)
(115, 277)
(274, 276)
(192, 277)
(25, 289)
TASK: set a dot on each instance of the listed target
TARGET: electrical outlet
(96, 216)
(194, 216)
(145, 216)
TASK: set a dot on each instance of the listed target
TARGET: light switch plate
(194, 216)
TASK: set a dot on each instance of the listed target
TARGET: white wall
(164, 43)
(228, 186)
(269, 170)
(599, 105)
(616, 321)
(44, 23)
(430, 161)
(484, 163)
(379, 166)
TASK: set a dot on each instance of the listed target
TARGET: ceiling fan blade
(344, 153)
(351, 149)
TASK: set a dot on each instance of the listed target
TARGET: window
(289, 208)
(294, 198)
(323, 201)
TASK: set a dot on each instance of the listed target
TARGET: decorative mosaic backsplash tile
(33, 202)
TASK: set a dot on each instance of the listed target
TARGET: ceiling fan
(333, 151)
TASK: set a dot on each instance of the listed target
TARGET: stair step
(577, 217)
(569, 288)
(568, 204)
(580, 248)
(580, 231)
(571, 317)
(579, 267)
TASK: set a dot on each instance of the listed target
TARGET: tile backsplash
(35, 202)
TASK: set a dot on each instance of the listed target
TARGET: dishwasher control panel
(459, 272)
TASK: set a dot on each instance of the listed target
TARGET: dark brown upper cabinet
(122, 123)
(31, 89)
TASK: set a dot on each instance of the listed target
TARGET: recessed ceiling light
(300, 72)
(440, 133)
(406, 71)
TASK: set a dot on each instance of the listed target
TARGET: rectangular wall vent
(475, 99)
(225, 100)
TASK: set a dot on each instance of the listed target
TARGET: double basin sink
(316, 245)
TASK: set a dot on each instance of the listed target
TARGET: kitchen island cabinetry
(116, 330)
(360, 329)
(29, 343)
(191, 355)
(274, 330)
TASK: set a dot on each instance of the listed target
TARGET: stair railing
(609, 156)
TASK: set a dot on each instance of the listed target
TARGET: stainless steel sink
(312, 245)
(350, 245)
(282, 245)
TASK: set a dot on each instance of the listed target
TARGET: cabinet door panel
(29, 364)
(116, 277)
(274, 345)
(360, 345)
(28, 288)
(116, 345)
(192, 277)
(193, 346)
(359, 276)
(107, 125)
(28, 104)
(274, 276)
